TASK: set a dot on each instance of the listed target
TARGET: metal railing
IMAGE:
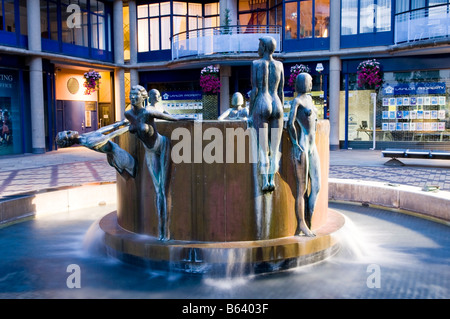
(224, 39)
(420, 24)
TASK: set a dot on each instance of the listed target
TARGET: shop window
(410, 107)
(10, 113)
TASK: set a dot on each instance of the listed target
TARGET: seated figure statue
(101, 142)
(237, 112)
(154, 97)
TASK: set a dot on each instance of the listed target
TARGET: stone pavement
(78, 165)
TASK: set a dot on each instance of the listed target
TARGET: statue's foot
(267, 188)
(305, 230)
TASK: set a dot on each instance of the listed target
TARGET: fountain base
(244, 257)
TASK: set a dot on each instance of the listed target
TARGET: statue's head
(138, 94)
(237, 99)
(303, 83)
(66, 138)
(266, 44)
(154, 96)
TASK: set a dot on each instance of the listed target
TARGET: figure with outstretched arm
(101, 141)
(157, 150)
(302, 132)
(266, 109)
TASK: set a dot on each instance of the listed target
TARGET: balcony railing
(428, 23)
(225, 39)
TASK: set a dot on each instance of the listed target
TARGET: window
(157, 22)
(85, 25)
(365, 16)
(307, 19)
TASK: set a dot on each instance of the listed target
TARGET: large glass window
(307, 19)
(365, 16)
(291, 21)
(84, 23)
(306, 14)
(157, 22)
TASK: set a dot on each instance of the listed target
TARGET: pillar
(225, 73)
(119, 73)
(134, 74)
(335, 73)
(36, 78)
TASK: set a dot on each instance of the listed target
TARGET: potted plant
(210, 80)
(296, 70)
(369, 74)
(91, 82)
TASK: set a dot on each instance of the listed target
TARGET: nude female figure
(236, 112)
(266, 109)
(305, 156)
(101, 141)
(154, 98)
(157, 150)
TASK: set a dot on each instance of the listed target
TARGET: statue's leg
(263, 151)
(164, 163)
(301, 176)
(276, 131)
(153, 165)
(314, 176)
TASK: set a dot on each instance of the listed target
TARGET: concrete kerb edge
(22, 207)
(401, 198)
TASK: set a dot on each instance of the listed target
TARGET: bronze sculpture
(154, 98)
(305, 155)
(101, 142)
(157, 150)
(236, 112)
(266, 109)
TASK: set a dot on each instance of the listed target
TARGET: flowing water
(383, 255)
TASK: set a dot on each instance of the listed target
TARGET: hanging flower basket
(209, 79)
(296, 70)
(91, 82)
(369, 74)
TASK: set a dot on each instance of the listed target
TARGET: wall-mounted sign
(90, 106)
(182, 95)
(414, 88)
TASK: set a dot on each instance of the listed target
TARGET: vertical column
(134, 74)
(231, 5)
(335, 73)
(119, 73)
(36, 78)
(225, 73)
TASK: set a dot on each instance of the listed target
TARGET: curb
(409, 199)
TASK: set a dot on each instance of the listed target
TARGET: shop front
(410, 108)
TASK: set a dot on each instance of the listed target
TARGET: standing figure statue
(157, 150)
(266, 109)
(237, 112)
(101, 142)
(304, 150)
(154, 98)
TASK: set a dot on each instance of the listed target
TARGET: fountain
(237, 192)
